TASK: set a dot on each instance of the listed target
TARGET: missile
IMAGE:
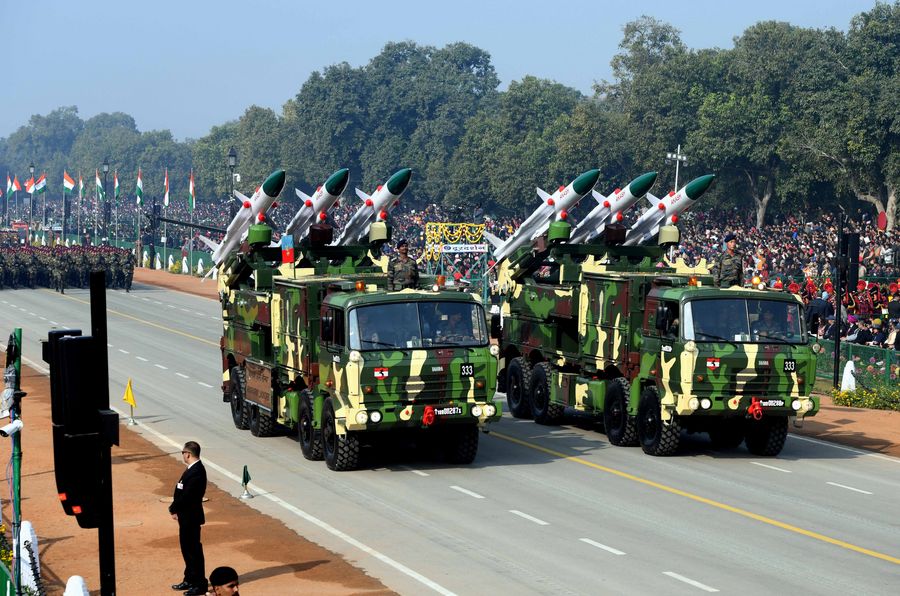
(375, 207)
(554, 207)
(611, 208)
(253, 209)
(666, 210)
(315, 207)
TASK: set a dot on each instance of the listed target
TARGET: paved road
(543, 509)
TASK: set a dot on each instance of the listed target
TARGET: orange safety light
(441, 280)
(367, 389)
(692, 280)
(76, 509)
(360, 286)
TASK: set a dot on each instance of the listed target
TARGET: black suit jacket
(188, 499)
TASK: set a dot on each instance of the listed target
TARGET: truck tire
(310, 438)
(239, 414)
(767, 436)
(727, 433)
(542, 409)
(261, 423)
(518, 388)
(341, 453)
(461, 445)
(621, 429)
(657, 437)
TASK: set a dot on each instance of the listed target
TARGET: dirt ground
(270, 558)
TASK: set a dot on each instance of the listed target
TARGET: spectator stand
(458, 251)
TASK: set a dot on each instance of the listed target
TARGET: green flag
(246, 479)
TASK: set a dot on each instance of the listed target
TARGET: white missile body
(375, 207)
(315, 207)
(666, 210)
(253, 209)
(611, 208)
(554, 207)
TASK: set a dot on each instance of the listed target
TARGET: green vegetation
(789, 119)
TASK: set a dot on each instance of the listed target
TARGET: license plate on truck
(448, 411)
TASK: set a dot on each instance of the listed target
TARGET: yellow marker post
(128, 398)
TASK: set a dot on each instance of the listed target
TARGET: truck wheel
(657, 436)
(542, 409)
(239, 414)
(767, 436)
(261, 424)
(341, 453)
(461, 444)
(310, 438)
(518, 387)
(620, 426)
(727, 433)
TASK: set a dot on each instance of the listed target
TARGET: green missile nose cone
(337, 182)
(398, 182)
(584, 183)
(698, 186)
(274, 183)
(642, 184)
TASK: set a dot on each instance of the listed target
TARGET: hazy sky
(192, 64)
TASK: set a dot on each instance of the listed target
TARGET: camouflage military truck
(651, 350)
(318, 346)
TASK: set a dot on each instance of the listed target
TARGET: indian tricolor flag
(166, 196)
(139, 189)
(9, 185)
(41, 184)
(191, 190)
(116, 185)
(16, 184)
(99, 185)
(68, 183)
(80, 187)
(29, 185)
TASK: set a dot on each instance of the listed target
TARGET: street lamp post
(31, 201)
(105, 200)
(232, 162)
(679, 158)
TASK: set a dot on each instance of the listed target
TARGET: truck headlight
(795, 405)
(705, 403)
(375, 417)
(489, 410)
(495, 350)
(476, 411)
(362, 417)
(355, 356)
(693, 403)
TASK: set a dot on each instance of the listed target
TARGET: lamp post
(232, 162)
(31, 201)
(679, 158)
(105, 200)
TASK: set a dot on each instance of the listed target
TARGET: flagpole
(78, 215)
(117, 220)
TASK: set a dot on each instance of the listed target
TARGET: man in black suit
(187, 509)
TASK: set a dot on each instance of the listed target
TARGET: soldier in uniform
(403, 271)
(129, 269)
(730, 268)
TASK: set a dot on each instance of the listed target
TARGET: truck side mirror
(662, 318)
(496, 328)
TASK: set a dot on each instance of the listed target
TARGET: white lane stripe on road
(859, 490)
(266, 494)
(895, 460)
(182, 375)
(53, 323)
(123, 351)
(530, 518)
(414, 471)
(43, 318)
(466, 492)
(204, 384)
(777, 469)
(690, 581)
(142, 359)
(161, 366)
(608, 549)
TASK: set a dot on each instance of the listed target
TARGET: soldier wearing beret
(403, 271)
(730, 268)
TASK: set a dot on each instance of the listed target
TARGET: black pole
(843, 250)
(153, 233)
(105, 532)
(105, 203)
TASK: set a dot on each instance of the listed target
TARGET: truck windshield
(417, 325)
(743, 320)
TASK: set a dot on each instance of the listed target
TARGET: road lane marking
(161, 366)
(690, 581)
(142, 359)
(777, 469)
(859, 490)
(414, 471)
(467, 492)
(699, 499)
(608, 549)
(204, 384)
(123, 351)
(53, 323)
(895, 460)
(182, 375)
(530, 518)
(43, 318)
